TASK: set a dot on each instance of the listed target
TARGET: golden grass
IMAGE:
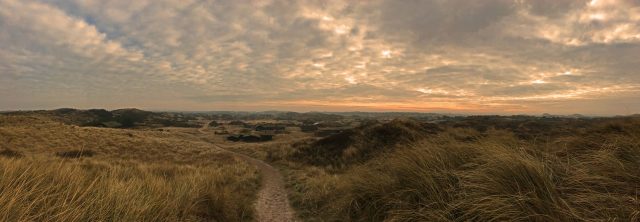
(54, 190)
(134, 175)
(457, 175)
(39, 136)
(463, 175)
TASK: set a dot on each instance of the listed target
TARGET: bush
(11, 153)
(75, 153)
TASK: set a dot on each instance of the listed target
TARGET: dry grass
(75, 153)
(464, 175)
(9, 153)
(393, 172)
(53, 190)
(35, 135)
(132, 175)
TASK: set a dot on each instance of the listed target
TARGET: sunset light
(319, 110)
(214, 55)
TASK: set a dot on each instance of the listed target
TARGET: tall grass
(88, 190)
(462, 175)
(50, 171)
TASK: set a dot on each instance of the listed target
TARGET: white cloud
(463, 55)
(600, 22)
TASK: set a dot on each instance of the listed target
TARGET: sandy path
(272, 203)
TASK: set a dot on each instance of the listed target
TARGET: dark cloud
(554, 8)
(440, 21)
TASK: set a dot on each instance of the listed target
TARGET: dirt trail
(273, 203)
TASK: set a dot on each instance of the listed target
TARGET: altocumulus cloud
(495, 56)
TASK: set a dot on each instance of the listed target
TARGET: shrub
(76, 153)
(11, 153)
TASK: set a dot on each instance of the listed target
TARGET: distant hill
(119, 118)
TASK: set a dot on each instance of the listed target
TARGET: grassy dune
(574, 170)
(54, 190)
(133, 175)
(36, 135)
(460, 174)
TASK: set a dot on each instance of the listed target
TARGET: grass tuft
(461, 174)
(76, 153)
(9, 153)
(89, 190)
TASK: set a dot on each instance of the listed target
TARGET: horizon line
(446, 113)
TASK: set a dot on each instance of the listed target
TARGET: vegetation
(10, 153)
(360, 144)
(402, 171)
(120, 118)
(51, 190)
(75, 153)
(479, 168)
(126, 175)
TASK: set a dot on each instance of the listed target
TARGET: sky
(455, 56)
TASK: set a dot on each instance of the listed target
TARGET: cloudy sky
(464, 56)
